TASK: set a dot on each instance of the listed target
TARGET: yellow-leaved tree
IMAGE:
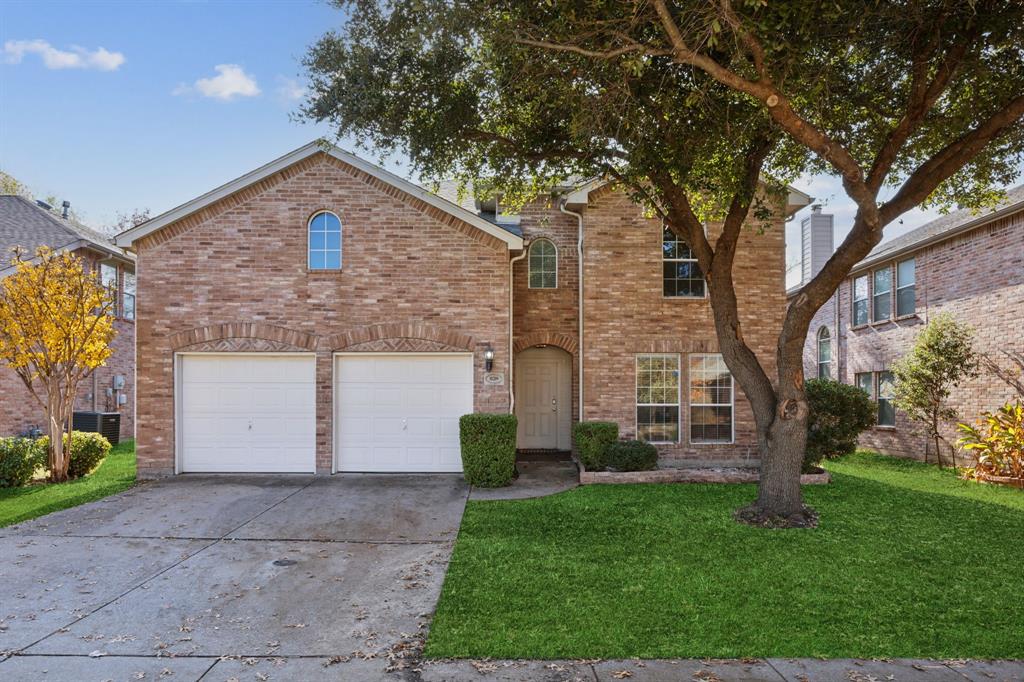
(55, 329)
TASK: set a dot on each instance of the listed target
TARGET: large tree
(701, 110)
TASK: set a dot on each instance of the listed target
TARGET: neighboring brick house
(29, 225)
(968, 264)
(321, 314)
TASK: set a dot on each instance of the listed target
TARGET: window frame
(691, 404)
(871, 381)
(125, 294)
(529, 263)
(898, 288)
(888, 399)
(679, 396)
(875, 294)
(824, 336)
(866, 277)
(325, 250)
(113, 287)
(692, 259)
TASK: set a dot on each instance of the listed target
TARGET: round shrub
(488, 449)
(86, 451)
(19, 458)
(632, 455)
(838, 414)
(592, 442)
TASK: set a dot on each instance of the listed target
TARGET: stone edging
(722, 475)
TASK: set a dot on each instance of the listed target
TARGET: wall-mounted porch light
(488, 358)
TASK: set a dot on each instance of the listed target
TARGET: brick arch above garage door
(409, 337)
(242, 336)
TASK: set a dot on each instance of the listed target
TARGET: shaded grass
(908, 561)
(116, 473)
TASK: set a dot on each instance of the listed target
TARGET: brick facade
(978, 277)
(20, 412)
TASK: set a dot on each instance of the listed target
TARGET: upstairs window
(128, 304)
(681, 275)
(860, 300)
(324, 241)
(905, 291)
(824, 354)
(543, 265)
(881, 309)
(108, 278)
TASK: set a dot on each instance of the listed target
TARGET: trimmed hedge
(632, 455)
(87, 450)
(488, 448)
(19, 458)
(837, 414)
(592, 442)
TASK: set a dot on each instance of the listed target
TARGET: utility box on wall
(107, 424)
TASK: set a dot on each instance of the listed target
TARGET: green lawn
(908, 561)
(116, 473)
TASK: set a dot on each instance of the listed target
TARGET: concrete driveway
(284, 577)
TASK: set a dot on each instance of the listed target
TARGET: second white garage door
(401, 412)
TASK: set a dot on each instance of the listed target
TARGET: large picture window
(657, 398)
(905, 290)
(860, 300)
(324, 241)
(543, 265)
(681, 275)
(824, 354)
(886, 395)
(711, 400)
(882, 295)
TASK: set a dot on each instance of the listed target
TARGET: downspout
(511, 354)
(579, 278)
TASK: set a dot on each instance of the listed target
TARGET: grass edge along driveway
(114, 474)
(908, 561)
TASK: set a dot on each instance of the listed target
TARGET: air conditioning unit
(107, 424)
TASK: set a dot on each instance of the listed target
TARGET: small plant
(85, 451)
(19, 458)
(839, 413)
(632, 455)
(997, 443)
(592, 442)
(488, 448)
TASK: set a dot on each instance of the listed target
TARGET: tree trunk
(57, 461)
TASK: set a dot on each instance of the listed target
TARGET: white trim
(335, 464)
(177, 358)
(679, 396)
(130, 236)
(689, 404)
(341, 240)
(529, 260)
(693, 260)
(897, 288)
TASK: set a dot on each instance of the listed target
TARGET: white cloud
(289, 89)
(77, 57)
(230, 82)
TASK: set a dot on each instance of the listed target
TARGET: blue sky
(123, 105)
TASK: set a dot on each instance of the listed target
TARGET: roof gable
(129, 237)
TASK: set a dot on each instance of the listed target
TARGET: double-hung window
(865, 381)
(108, 278)
(905, 291)
(657, 398)
(681, 275)
(860, 300)
(711, 400)
(881, 309)
(128, 304)
(824, 354)
(886, 395)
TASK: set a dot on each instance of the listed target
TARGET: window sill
(310, 271)
(908, 316)
(683, 298)
(881, 323)
(884, 427)
(858, 327)
(698, 443)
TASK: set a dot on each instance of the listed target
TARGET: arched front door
(544, 399)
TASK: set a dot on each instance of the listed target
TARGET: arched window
(324, 241)
(824, 354)
(543, 265)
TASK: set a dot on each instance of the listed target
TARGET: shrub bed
(592, 442)
(19, 458)
(632, 455)
(488, 449)
(838, 413)
(86, 451)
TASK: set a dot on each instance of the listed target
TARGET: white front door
(247, 412)
(400, 412)
(544, 399)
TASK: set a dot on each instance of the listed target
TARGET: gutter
(579, 306)
(511, 352)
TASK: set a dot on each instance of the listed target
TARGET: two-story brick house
(965, 263)
(321, 314)
(28, 225)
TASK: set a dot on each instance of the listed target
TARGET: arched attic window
(543, 265)
(324, 241)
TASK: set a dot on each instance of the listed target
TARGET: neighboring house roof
(128, 237)
(25, 224)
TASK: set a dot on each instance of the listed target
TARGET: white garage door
(401, 412)
(247, 412)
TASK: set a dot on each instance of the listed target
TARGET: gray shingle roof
(940, 227)
(23, 223)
